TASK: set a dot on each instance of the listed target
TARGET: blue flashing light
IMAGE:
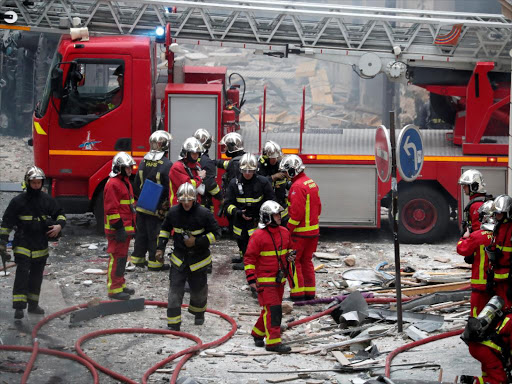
(160, 31)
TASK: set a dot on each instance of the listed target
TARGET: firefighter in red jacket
(267, 264)
(473, 185)
(489, 338)
(500, 249)
(187, 169)
(118, 204)
(472, 247)
(36, 218)
(304, 213)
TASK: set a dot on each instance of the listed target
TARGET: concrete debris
(350, 261)
(326, 256)
(415, 334)
(409, 317)
(94, 271)
(287, 308)
(87, 282)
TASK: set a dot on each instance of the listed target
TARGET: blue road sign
(410, 153)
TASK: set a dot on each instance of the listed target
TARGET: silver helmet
(485, 216)
(232, 142)
(120, 160)
(159, 142)
(204, 137)
(33, 173)
(248, 162)
(192, 145)
(292, 165)
(474, 179)
(186, 192)
(268, 208)
(272, 150)
(502, 204)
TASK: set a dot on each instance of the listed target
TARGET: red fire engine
(461, 59)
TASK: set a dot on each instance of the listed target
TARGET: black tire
(99, 212)
(443, 107)
(423, 215)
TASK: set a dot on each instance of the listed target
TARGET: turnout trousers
(28, 280)
(118, 253)
(268, 325)
(198, 282)
(304, 282)
(478, 300)
(146, 237)
(492, 367)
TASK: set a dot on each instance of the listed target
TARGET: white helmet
(158, 144)
(272, 150)
(192, 145)
(232, 142)
(502, 204)
(248, 162)
(474, 179)
(120, 160)
(186, 192)
(292, 165)
(204, 137)
(268, 208)
(34, 173)
(485, 216)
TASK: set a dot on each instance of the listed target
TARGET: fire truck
(462, 59)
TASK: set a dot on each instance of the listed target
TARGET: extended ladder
(374, 39)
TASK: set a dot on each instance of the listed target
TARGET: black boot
(119, 296)
(35, 309)
(236, 260)
(238, 266)
(279, 348)
(18, 314)
(199, 320)
(258, 341)
(129, 291)
(173, 327)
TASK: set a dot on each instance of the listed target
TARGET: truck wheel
(423, 215)
(98, 213)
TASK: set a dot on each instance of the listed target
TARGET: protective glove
(121, 235)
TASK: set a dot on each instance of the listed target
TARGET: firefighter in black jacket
(268, 166)
(244, 197)
(155, 166)
(212, 189)
(195, 228)
(232, 146)
(36, 217)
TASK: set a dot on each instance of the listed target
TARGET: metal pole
(509, 169)
(394, 190)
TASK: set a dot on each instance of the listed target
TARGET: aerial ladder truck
(462, 59)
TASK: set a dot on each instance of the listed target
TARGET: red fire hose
(91, 365)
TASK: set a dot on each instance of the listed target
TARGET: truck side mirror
(56, 83)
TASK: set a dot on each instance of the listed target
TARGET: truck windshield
(42, 106)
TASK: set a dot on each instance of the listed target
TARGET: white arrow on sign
(412, 146)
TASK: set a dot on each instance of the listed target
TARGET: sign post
(394, 210)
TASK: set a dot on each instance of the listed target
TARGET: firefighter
(117, 95)
(472, 247)
(244, 197)
(304, 212)
(187, 169)
(489, 340)
(232, 146)
(118, 204)
(499, 274)
(155, 167)
(268, 262)
(36, 217)
(195, 228)
(212, 189)
(268, 166)
(473, 185)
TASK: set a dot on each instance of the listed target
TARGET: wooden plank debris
(341, 358)
(430, 288)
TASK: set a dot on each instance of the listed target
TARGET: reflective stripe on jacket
(118, 204)
(305, 206)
